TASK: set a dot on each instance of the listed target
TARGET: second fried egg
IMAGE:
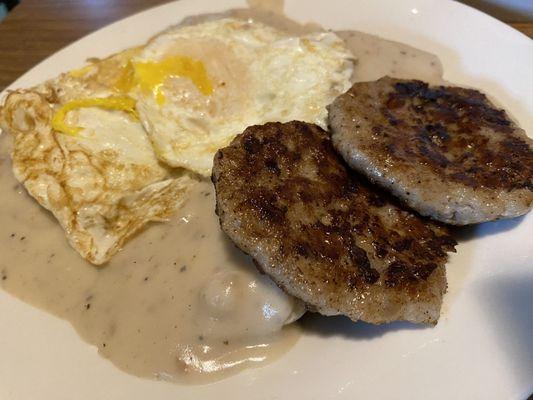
(199, 86)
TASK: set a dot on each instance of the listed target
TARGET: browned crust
(324, 234)
(451, 135)
(48, 164)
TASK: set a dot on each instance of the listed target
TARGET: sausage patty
(445, 151)
(322, 232)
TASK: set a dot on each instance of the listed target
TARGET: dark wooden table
(37, 28)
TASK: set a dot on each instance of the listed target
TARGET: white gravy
(179, 302)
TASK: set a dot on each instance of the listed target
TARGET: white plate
(482, 347)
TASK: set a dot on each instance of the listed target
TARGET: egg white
(258, 74)
(103, 183)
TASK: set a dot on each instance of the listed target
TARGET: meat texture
(447, 152)
(322, 232)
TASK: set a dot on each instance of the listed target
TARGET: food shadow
(342, 326)
(507, 304)
(478, 231)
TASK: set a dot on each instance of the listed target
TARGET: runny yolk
(125, 81)
(119, 103)
(150, 76)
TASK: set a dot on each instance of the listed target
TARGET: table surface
(37, 28)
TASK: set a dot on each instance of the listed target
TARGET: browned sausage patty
(322, 232)
(447, 152)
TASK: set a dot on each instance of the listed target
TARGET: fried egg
(88, 145)
(199, 86)
(196, 87)
(81, 152)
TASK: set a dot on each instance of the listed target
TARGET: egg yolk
(125, 81)
(119, 103)
(150, 76)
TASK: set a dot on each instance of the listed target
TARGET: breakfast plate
(482, 346)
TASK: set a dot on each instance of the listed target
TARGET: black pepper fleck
(226, 342)
(146, 278)
(200, 337)
(87, 306)
(23, 238)
(183, 269)
(12, 235)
